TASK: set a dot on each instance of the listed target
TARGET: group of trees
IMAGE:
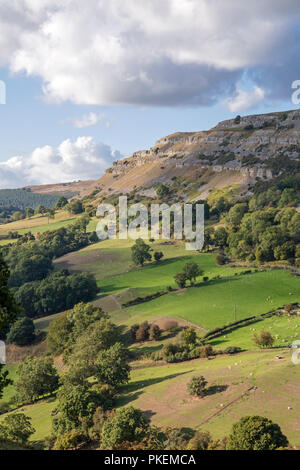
(145, 332)
(58, 292)
(189, 273)
(141, 252)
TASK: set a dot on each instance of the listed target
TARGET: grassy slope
(212, 305)
(161, 391)
(38, 224)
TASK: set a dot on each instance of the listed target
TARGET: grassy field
(161, 392)
(38, 224)
(212, 304)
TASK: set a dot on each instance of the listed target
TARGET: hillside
(235, 152)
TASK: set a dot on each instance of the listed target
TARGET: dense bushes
(21, 332)
(58, 292)
(145, 332)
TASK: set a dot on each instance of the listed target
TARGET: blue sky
(28, 120)
(136, 71)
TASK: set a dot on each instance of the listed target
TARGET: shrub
(68, 440)
(232, 350)
(264, 339)
(206, 351)
(197, 385)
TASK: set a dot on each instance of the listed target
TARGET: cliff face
(242, 147)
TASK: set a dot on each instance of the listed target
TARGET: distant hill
(19, 199)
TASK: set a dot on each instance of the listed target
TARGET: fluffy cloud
(243, 99)
(89, 120)
(83, 159)
(174, 52)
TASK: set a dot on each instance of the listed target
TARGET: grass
(161, 392)
(212, 304)
(41, 419)
(38, 224)
(158, 276)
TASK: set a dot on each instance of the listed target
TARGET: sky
(91, 82)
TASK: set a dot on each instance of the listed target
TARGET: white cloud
(151, 52)
(89, 120)
(80, 160)
(244, 99)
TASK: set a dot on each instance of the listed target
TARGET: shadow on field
(132, 389)
(213, 389)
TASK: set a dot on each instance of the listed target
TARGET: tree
(75, 207)
(197, 385)
(256, 433)
(21, 332)
(142, 333)
(16, 427)
(154, 332)
(220, 237)
(9, 309)
(264, 339)
(36, 377)
(189, 336)
(191, 271)
(158, 255)
(112, 366)
(82, 316)
(127, 424)
(75, 403)
(200, 441)
(61, 202)
(84, 222)
(180, 280)
(141, 252)
(59, 333)
(29, 212)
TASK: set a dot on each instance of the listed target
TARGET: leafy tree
(180, 280)
(154, 332)
(16, 427)
(75, 403)
(158, 255)
(29, 212)
(197, 385)
(112, 366)
(36, 377)
(21, 332)
(141, 252)
(202, 440)
(82, 316)
(9, 309)
(50, 214)
(142, 333)
(61, 202)
(191, 271)
(127, 424)
(264, 339)
(56, 293)
(99, 336)
(256, 433)
(189, 336)
(75, 207)
(59, 333)
(220, 237)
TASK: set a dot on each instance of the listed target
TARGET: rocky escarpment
(245, 144)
